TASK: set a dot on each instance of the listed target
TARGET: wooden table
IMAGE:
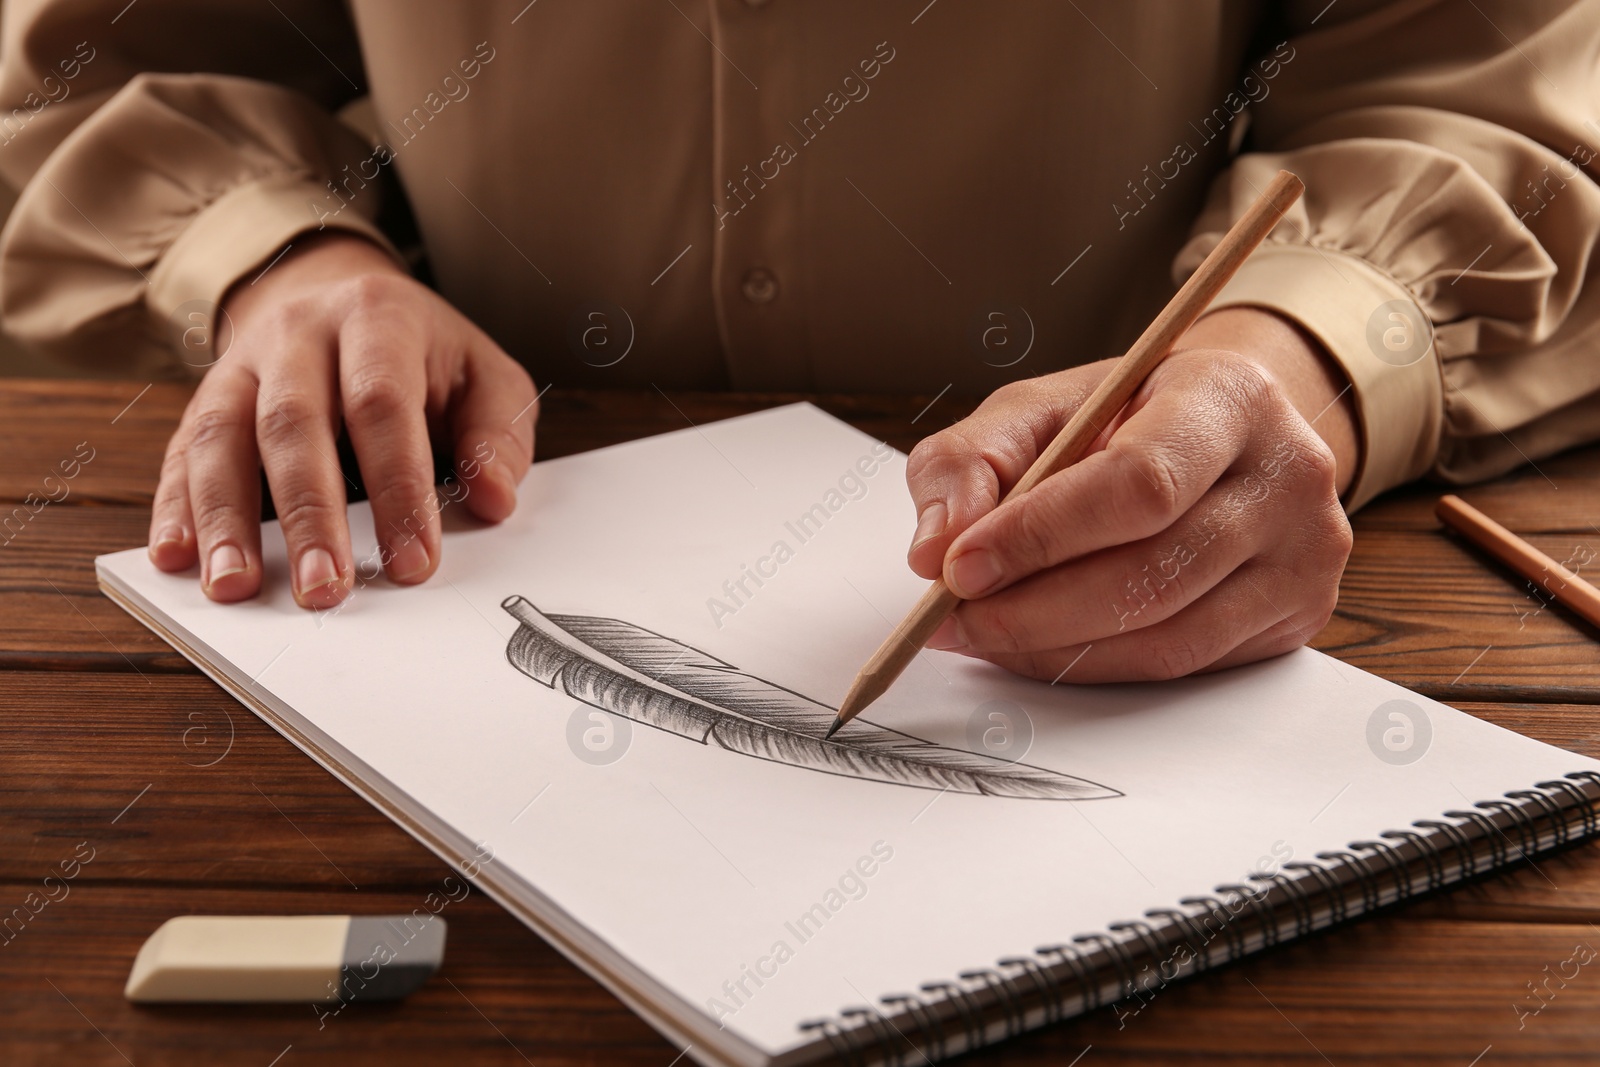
(112, 745)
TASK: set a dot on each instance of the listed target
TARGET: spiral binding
(1491, 834)
(1526, 832)
(1371, 892)
(946, 1018)
(1393, 861)
(1329, 884)
(1466, 860)
(1215, 908)
(1304, 909)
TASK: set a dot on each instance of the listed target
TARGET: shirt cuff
(244, 229)
(1374, 329)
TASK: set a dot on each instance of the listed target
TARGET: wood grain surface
(192, 805)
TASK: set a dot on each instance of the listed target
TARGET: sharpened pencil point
(833, 729)
(863, 691)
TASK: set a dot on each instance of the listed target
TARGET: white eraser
(293, 958)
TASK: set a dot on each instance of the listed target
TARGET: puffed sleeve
(145, 192)
(1442, 251)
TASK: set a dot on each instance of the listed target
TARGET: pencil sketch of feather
(630, 671)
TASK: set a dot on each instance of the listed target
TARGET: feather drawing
(630, 671)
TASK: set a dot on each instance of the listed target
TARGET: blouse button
(759, 286)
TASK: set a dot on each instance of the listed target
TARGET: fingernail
(409, 560)
(170, 534)
(225, 560)
(930, 523)
(948, 637)
(974, 573)
(316, 570)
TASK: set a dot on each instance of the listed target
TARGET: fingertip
(172, 549)
(925, 561)
(229, 575)
(324, 597)
(949, 637)
(493, 493)
(232, 588)
(410, 562)
(926, 558)
(973, 573)
(320, 583)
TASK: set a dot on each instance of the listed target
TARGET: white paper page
(697, 863)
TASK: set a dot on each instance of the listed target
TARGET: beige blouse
(901, 195)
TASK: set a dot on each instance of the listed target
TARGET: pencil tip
(855, 701)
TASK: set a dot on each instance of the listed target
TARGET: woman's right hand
(336, 333)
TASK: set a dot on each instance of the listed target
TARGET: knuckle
(174, 466)
(1247, 385)
(215, 511)
(290, 315)
(1028, 535)
(282, 417)
(170, 494)
(402, 491)
(922, 456)
(1341, 541)
(1324, 467)
(1029, 665)
(212, 426)
(306, 514)
(1151, 593)
(1157, 486)
(375, 396)
(178, 442)
(946, 459)
(1325, 547)
(1285, 636)
(500, 443)
(1317, 615)
(936, 450)
(1173, 658)
(414, 526)
(168, 503)
(407, 504)
(364, 291)
(992, 630)
(1315, 464)
(1295, 631)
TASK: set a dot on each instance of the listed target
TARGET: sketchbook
(609, 711)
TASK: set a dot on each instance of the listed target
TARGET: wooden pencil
(1114, 391)
(1563, 585)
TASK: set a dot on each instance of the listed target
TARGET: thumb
(492, 421)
